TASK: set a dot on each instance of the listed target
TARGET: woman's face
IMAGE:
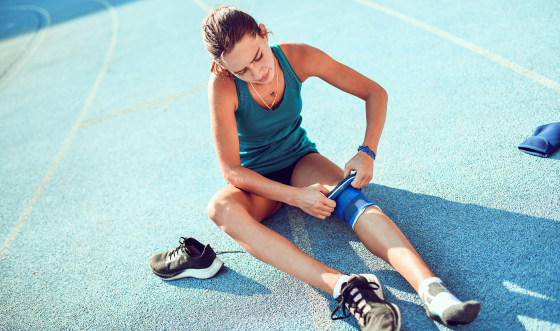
(251, 60)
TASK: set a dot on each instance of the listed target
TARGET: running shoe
(362, 297)
(190, 259)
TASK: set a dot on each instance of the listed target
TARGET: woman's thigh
(230, 198)
(315, 168)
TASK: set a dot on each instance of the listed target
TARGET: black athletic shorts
(284, 175)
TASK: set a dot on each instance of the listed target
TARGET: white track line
(42, 31)
(46, 179)
(148, 104)
(319, 313)
(461, 42)
(204, 7)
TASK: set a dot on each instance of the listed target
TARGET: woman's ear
(218, 69)
(264, 32)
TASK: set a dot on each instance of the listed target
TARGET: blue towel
(544, 141)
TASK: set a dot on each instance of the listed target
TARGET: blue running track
(106, 158)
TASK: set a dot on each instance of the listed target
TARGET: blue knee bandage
(350, 202)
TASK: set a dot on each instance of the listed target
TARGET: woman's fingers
(321, 206)
(362, 179)
(347, 169)
(325, 208)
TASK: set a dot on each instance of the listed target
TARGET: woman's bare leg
(374, 229)
(239, 214)
(383, 238)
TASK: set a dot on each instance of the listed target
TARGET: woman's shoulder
(222, 90)
(221, 78)
(221, 82)
(294, 49)
(299, 55)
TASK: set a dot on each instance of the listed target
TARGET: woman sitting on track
(268, 160)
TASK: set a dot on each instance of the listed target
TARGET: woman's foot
(443, 306)
(362, 296)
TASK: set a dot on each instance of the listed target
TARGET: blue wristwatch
(366, 150)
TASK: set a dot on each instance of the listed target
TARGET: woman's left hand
(362, 164)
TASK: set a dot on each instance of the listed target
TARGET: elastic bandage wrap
(350, 202)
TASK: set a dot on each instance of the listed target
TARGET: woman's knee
(233, 205)
(231, 208)
(212, 208)
(219, 208)
(373, 218)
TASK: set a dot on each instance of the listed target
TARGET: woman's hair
(222, 29)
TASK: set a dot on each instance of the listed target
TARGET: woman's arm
(308, 61)
(223, 103)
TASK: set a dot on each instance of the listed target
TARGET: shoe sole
(197, 273)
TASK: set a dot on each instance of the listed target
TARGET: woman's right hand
(313, 201)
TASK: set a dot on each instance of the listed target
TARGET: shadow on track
(489, 255)
(20, 18)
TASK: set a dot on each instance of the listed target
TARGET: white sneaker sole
(199, 273)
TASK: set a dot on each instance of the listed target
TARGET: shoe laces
(179, 248)
(354, 299)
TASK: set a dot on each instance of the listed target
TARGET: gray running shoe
(362, 297)
(190, 259)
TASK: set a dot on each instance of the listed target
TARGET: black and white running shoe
(190, 259)
(362, 297)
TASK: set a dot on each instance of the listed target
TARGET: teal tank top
(270, 140)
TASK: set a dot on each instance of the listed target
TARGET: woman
(268, 160)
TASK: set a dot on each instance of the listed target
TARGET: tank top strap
(243, 94)
(290, 77)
